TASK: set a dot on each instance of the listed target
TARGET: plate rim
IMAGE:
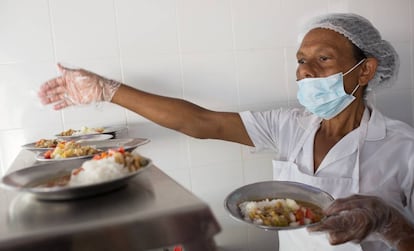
(69, 193)
(62, 159)
(31, 146)
(127, 146)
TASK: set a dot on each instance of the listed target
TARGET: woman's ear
(368, 69)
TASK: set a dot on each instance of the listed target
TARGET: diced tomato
(100, 156)
(97, 157)
(300, 216)
(108, 153)
(309, 214)
(48, 154)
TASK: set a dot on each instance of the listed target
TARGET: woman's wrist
(109, 88)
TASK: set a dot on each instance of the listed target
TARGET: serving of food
(278, 205)
(42, 145)
(280, 212)
(105, 172)
(109, 165)
(46, 143)
(83, 131)
(66, 150)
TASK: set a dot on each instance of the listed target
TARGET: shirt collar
(376, 123)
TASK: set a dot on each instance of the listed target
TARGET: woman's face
(325, 52)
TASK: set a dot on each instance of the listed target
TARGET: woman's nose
(304, 71)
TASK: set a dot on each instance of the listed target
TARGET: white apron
(300, 239)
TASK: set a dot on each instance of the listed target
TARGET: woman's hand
(355, 217)
(75, 87)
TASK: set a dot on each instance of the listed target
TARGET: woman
(338, 143)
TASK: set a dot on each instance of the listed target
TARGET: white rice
(95, 171)
(87, 130)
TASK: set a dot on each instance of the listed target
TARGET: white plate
(29, 179)
(107, 130)
(32, 147)
(40, 157)
(127, 144)
(102, 144)
(96, 137)
(275, 189)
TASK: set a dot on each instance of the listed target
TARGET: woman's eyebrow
(317, 50)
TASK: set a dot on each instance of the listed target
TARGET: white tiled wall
(222, 54)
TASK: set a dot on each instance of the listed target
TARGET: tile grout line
(121, 64)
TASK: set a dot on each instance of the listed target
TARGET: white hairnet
(365, 36)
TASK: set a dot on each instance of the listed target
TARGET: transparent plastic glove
(355, 217)
(76, 87)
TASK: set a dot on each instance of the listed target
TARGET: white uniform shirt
(386, 158)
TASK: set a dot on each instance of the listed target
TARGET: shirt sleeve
(270, 129)
(261, 128)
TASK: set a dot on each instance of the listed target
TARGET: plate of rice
(87, 132)
(74, 179)
(68, 150)
(278, 205)
(41, 145)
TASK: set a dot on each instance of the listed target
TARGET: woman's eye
(301, 61)
(323, 58)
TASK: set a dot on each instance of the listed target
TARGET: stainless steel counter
(152, 211)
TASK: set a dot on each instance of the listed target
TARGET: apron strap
(363, 129)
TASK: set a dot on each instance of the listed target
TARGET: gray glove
(355, 217)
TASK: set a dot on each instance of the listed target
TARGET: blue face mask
(325, 97)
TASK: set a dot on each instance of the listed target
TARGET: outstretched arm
(183, 116)
(79, 86)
